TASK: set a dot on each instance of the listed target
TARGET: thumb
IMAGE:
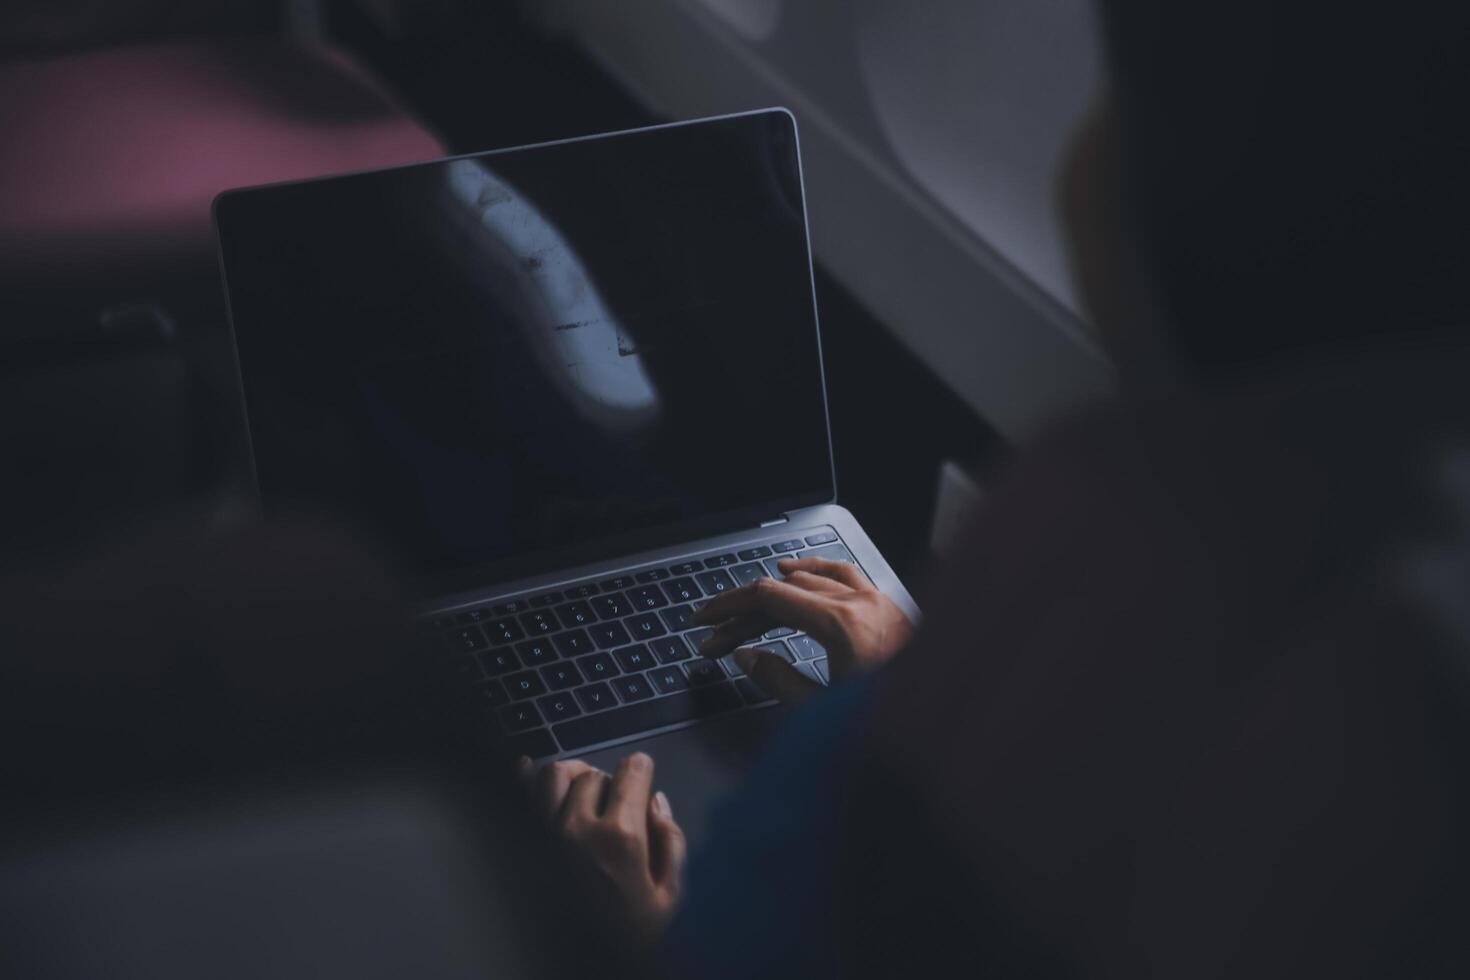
(775, 676)
(666, 842)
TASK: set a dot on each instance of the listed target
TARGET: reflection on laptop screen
(499, 355)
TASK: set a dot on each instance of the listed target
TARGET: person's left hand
(627, 837)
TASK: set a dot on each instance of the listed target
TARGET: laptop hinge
(774, 521)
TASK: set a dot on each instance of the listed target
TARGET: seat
(111, 158)
(117, 388)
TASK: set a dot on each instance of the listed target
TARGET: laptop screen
(528, 354)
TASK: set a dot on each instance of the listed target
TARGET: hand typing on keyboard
(833, 602)
(625, 837)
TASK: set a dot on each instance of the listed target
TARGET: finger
(627, 797)
(842, 571)
(584, 799)
(666, 843)
(776, 677)
(730, 635)
(555, 780)
(778, 601)
(812, 582)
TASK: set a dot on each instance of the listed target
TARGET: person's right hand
(832, 601)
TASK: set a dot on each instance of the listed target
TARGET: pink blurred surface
(109, 160)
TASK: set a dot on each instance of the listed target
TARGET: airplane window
(755, 20)
(1027, 72)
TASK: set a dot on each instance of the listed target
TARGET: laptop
(577, 388)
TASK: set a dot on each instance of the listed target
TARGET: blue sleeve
(759, 894)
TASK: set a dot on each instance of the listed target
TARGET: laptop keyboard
(605, 661)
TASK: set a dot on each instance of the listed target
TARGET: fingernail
(640, 760)
(662, 802)
(524, 765)
(746, 659)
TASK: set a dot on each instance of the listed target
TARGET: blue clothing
(760, 893)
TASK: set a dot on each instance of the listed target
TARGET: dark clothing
(772, 867)
(1190, 704)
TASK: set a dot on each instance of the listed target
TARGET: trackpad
(698, 766)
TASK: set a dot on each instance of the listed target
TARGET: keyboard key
(540, 622)
(703, 672)
(561, 676)
(469, 668)
(498, 662)
(807, 648)
(822, 537)
(598, 666)
(646, 716)
(582, 591)
(609, 635)
(682, 590)
(442, 622)
(696, 638)
(669, 680)
(714, 583)
(549, 599)
(596, 697)
(750, 692)
(510, 608)
(745, 574)
(519, 717)
(537, 743)
(669, 649)
(652, 575)
(779, 632)
(575, 614)
(634, 659)
(616, 584)
(731, 667)
(833, 552)
(809, 671)
(685, 568)
(559, 707)
(720, 561)
(678, 618)
(503, 631)
(793, 545)
(467, 639)
(572, 644)
(614, 606)
(472, 617)
(751, 554)
(493, 694)
(779, 649)
(633, 688)
(772, 567)
(823, 674)
(645, 627)
(534, 653)
(647, 597)
(526, 684)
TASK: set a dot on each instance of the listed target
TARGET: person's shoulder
(1206, 649)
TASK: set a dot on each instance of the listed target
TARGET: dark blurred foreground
(222, 757)
(1194, 705)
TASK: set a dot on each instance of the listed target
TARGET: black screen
(529, 352)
